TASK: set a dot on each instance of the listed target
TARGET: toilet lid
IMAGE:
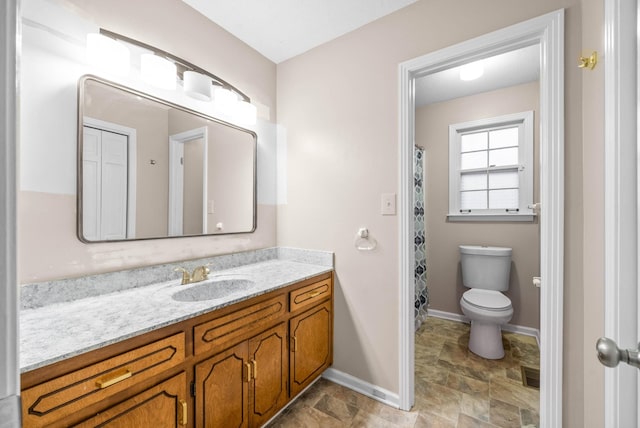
(487, 299)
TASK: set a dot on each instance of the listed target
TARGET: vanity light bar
(180, 63)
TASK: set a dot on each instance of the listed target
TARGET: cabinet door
(268, 358)
(163, 405)
(222, 389)
(311, 344)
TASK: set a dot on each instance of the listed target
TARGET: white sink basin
(212, 289)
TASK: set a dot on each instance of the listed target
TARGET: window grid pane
(473, 181)
(503, 199)
(504, 179)
(473, 160)
(474, 142)
(503, 157)
(474, 200)
(506, 137)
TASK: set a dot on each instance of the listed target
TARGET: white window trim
(525, 158)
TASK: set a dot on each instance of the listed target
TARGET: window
(491, 169)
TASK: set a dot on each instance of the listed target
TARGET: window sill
(492, 217)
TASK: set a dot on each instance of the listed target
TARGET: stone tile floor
(454, 388)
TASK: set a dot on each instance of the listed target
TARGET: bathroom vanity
(170, 355)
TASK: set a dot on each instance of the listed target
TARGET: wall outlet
(210, 207)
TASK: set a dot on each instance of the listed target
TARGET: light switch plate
(388, 204)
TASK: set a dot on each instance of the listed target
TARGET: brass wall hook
(588, 62)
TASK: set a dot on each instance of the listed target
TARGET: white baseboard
(527, 331)
(372, 391)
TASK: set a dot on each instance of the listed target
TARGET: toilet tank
(485, 267)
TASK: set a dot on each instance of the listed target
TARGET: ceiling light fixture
(162, 69)
(471, 71)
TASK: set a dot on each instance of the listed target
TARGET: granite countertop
(61, 330)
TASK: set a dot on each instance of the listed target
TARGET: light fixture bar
(181, 64)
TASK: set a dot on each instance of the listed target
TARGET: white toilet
(485, 270)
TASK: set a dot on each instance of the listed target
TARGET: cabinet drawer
(223, 330)
(309, 295)
(64, 395)
(160, 406)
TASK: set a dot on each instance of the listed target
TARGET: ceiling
(282, 29)
(500, 71)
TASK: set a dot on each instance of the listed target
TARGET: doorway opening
(548, 32)
(188, 172)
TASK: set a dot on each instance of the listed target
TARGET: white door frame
(9, 373)
(176, 178)
(548, 31)
(621, 210)
(132, 165)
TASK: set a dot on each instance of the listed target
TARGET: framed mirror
(150, 169)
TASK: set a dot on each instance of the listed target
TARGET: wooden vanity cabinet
(246, 385)
(236, 366)
(311, 346)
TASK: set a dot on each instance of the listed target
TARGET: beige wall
(339, 106)
(592, 297)
(48, 247)
(230, 188)
(443, 238)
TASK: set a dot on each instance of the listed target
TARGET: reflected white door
(104, 175)
(188, 165)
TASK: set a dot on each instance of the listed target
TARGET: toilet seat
(489, 300)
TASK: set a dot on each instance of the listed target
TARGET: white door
(104, 175)
(621, 216)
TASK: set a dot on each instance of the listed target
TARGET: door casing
(621, 207)
(548, 31)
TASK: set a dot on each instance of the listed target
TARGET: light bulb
(225, 101)
(107, 54)
(158, 71)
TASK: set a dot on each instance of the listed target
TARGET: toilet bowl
(485, 271)
(487, 313)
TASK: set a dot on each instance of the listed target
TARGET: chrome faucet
(201, 273)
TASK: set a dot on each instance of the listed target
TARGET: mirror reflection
(151, 169)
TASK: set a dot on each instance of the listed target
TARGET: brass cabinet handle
(248, 366)
(183, 412)
(118, 376)
(314, 294)
(295, 343)
(255, 368)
